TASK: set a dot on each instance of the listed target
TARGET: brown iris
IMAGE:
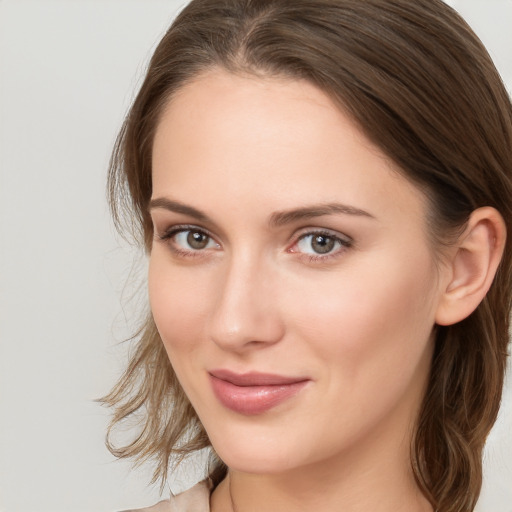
(197, 240)
(322, 244)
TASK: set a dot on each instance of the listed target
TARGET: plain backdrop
(68, 71)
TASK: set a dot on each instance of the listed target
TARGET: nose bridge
(246, 312)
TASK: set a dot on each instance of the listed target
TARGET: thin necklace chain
(233, 506)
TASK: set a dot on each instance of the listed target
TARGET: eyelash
(167, 237)
(344, 243)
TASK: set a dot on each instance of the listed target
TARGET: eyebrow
(309, 212)
(177, 207)
(277, 219)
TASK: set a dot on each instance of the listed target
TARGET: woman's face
(291, 276)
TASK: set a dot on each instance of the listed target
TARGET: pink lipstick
(253, 393)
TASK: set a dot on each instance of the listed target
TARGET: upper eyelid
(177, 228)
(156, 211)
(163, 218)
(325, 231)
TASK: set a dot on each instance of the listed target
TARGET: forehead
(252, 141)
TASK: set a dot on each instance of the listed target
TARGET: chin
(249, 453)
(260, 464)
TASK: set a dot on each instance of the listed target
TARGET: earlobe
(472, 265)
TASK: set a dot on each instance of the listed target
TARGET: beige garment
(196, 499)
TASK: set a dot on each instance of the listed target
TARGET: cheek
(368, 334)
(372, 318)
(178, 300)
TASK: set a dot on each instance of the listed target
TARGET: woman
(323, 189)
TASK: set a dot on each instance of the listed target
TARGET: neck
(366, 479)
(255, 493)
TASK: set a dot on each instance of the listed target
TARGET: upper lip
(255, 378)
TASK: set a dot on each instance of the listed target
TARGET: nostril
(245, 331)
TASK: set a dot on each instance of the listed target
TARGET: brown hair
(423, 88)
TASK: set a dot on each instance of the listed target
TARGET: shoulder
(161, 506)
(195, 499)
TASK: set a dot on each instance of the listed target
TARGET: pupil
(322, 244)
(197, 240)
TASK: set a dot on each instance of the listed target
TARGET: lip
(254, 393)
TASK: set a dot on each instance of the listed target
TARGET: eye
(193, 239)
(188, 240)
(321, 244)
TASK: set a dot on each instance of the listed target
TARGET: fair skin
(342, 297)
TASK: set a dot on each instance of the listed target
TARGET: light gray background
(68, 71)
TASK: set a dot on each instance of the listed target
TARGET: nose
(246, 315)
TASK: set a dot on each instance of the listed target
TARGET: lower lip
(251, 400)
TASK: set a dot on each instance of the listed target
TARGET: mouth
(254, 393)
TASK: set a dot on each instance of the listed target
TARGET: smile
(254, 393)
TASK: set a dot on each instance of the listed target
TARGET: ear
(472, 266)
